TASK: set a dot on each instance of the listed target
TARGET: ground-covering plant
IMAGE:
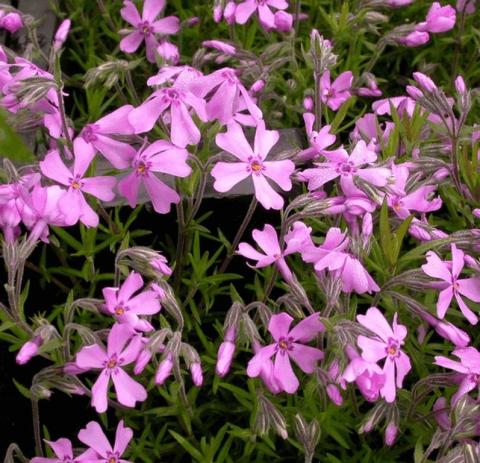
(244, 231)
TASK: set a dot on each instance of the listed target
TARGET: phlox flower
(63, 450)
(318, 140)
(73, 204)
(160, 156)
(450, 284)
(266, 16)
(177, 101)
(125, 307)
(123, 348)
(267, 239)
(335, 93)
(12, 22)
(226, 95)
(468, 369)
(146, 27)
(94, 437)
(267, 371)
(340, 164)
(252, 164)
(175, 76)
(439, 19)
(386, 345)
(100, 136)
(289, 344)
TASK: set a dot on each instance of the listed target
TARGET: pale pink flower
(289, 344)
(146, 27)
(450, 285)
(335, 93)
(163, 157)
(94, 437)
(252, 164)
(73, 204)
(386, 345)
(266, 16)
(318, 140)
(123, 348)
(63, 450)
(468, 368)
(126, 308)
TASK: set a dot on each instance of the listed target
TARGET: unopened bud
(164, 369)
(460, 85)
(29, 350)
(61, 34)
(197, 374)
(268, 417)
(391, 433)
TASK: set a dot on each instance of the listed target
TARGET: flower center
(141, 167)
(255, 166)
(112, 362)
(145, 28)
(76, 183)
(329, 93)
(171, 94)
(284, 345)
(230, 76)
(119, 310)
(88, 133)
(393, 348)
(346, 168)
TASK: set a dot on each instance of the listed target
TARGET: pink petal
(376, 322)
(161, 195)
(436, 268)
(267, 239)
(183, 131)
(279, 325)
(131, 42)
(130, 14)
(283, 373)
(317, 177)
(280, 172)
(198, 104)
(467, 385)
(265, 194)
(83, 158)
(100, 391)
(100, 187)
(53, 167)
(87, 215)
(307, 329)
(115, 122)
(131, 285)
(227, 175)
(244, 11)
(264, 140)
(168, 159)
(123, 436)
(470, 287)
(119, 154)
(343, 81)
(130, 353)
(444, 300)
(267, 19)
(377, 176)
(151, 9)
(466, 311)
(457, 261)
(450, 364)
(117, 339)
(389, 390)
(362, 155)
(145, 303)
(167, 26)
(246, 250)
(234, 142)
(128, 187)
(257, 362)
(221, 104)
(372, 350)
(91, 357)
(305, 357)
(93, 437)
(144, 117)
(61, 447)
(403, 366)
(128, 390)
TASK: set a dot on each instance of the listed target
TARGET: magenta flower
(111, 361)
(289, 344)
(62, 448)
(450, 285)
(386, 345)
(468, 368)
(125, 308)
(73, 204)
(227, 97)
(100, 136)
(266, 16)
(12, 22)
(146, 27)
(177, 101)
(336, 93)
(340, 164)
(253, 164)
(160, 156)
(94, 437)
(439, 19)
(267, 239)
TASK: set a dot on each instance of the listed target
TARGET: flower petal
(305, 357)
(279, 325)
(128, 390)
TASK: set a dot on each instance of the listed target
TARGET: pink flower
(221, 46)
(318, 140)
(252, 164)
(387, 344)
(227, 97)
(146, 27)
(61, 34)
(414, 39)
(62, 448)
(368, 376)
(160, 156)
(373, 132)
(226, 352)
(340, 164)
(289, 344)
(168, 51)
(450, 285)
(94, 437)
(267, 239)
(125, 308)
(12, 22)
(336, 93)
(73, 204)
(266, 372)
(468, 367)
(29, 350)
(177, 102)
(117, 355)
(165, 369)
(101, 136)
(439, 19)
(267, 18)
(283, 21)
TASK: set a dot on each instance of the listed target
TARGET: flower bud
(308, 103)
(283, 21)
(12, 22)
(197, 374)
(391, 433)
(424, 81)
(217, 13)
(460, 85)
(61, 34)
(225, 353)
(334, 394)
(229, 12)
(257, 86)
(268, 417)
(164, 369)
(29, 350)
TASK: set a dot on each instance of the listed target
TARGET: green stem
(36, 428)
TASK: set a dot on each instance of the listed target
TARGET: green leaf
(22, 389)
(187, 446)
(11, 144)
(386, 240)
